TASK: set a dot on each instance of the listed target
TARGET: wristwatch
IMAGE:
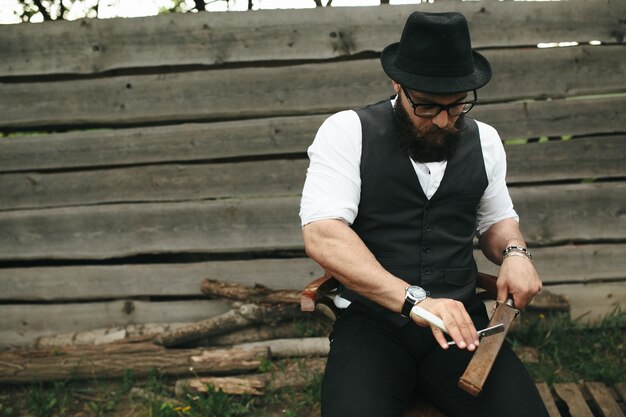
(413, 296)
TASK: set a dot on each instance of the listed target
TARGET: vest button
(427, 250)
(428, 228)
(426, 271)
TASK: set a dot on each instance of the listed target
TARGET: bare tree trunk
(294, 375)
(256, 333)
(200, 5)
(292, 348)
(238, 318)
(238, 292)
(116, 359)
(42, 10)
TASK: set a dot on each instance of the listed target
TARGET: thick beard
(425, 145)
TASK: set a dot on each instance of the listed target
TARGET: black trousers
(375, 367)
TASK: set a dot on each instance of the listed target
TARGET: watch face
(416, 293)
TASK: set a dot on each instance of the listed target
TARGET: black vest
(425, 242)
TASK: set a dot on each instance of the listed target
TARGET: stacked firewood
(225, 352)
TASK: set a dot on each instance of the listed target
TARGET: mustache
(438, 133)
(426, 144)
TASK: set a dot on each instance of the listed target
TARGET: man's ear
(396, 86)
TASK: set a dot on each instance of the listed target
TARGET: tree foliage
(60, 9)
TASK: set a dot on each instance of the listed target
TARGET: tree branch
(200, 5)
(42, 10)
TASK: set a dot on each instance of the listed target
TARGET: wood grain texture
(605, 399)
(21, 324)
(156, 280)
(559, 264)
(572, 263)
(577, 212)
(154, 183)
(561, 160)
(98, 363)
(282, 91)
(548, 400)
(552, 214)
(261, 138)
(596, 157)
(94, 46)
(591, 302)
(576, 404)
(475, 376)
(186, 142)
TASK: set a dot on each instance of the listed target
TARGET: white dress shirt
(332, 189)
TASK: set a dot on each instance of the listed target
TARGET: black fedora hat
(435, 55)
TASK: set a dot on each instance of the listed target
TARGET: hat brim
(436, 85)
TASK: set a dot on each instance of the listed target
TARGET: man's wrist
(413, 296)
(517, 250)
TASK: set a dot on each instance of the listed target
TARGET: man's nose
(441, 120)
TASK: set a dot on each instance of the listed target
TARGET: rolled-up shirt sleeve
(496, 203)
(332, 188)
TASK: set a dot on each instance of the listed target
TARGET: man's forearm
(340, 251)
(502, 234)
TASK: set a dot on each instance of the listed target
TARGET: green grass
(568, 352)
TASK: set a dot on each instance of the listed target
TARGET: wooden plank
(574, 159)
(22, 323)
(546, 396)
(576, 212)
(597, 157)
(553, 118)
(591, 302)
(572, 263)
(101, 232)
(153, 183)
(282, 91)
(551, 214)
(288, 135)
(163, 280)
(604, 399)
(187, 142)
(93, 46)
(570, 393)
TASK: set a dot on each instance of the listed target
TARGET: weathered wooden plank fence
(195, 151)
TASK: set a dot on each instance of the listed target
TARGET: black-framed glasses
(430, 110)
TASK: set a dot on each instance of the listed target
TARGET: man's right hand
(456, 320)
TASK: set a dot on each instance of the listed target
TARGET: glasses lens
(427, 110)
(460, 109)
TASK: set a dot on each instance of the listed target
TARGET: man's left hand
(517, 278)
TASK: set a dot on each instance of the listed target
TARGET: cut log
(108, 335)
(116, 359)
(296, 374)
(255, 334)
(290, 348)
(237, 318)
(258, 293)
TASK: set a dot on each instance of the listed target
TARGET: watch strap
(407, 306)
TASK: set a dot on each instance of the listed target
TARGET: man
(394, 195)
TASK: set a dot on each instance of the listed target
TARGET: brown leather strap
(315, 290)
(473, 380)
